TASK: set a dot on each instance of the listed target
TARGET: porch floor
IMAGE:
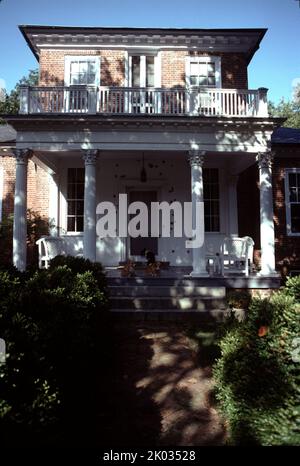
(176, 276)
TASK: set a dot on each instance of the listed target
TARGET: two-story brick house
(158, 114)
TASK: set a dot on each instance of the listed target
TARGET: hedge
(257, 376)
(56, 328)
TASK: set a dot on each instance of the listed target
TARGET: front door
(142, 79)
(137, 245)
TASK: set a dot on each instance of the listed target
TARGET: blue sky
(276, 65)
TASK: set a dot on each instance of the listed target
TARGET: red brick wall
(234, 67)
(37, 187)
(52, 64)
(287, 247)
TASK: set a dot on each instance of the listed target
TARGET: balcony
(205, 102)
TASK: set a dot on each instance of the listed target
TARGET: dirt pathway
(157, 393)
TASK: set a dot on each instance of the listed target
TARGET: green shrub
(292, 287)
(56, 330)
(257, 378)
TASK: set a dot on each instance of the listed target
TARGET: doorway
(137, 245)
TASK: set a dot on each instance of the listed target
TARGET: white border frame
(287, 171)
(95, 58)
(203, 59)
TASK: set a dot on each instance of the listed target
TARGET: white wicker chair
(237, 255)
(49, 247)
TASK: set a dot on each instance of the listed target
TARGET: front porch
(79, 181)
(94, 159)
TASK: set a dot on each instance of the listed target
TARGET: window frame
(288, 171)
(75, 199)
(94, 58)
(212, 199)
(204, 59)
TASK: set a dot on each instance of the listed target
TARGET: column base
(200, 274)
(268, 274)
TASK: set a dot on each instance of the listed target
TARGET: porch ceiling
(234, 162)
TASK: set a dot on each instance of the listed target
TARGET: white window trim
(1, 191)
(204, 59)
(69, 58)
(287, 200)
(157, 65)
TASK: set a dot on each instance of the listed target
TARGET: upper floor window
(292, 197)
(81, 70)
(203, 71)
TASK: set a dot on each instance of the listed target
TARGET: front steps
(166, 299)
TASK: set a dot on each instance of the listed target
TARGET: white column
(232, 205)
(20, 209)
(196, 159)
(54, 204)
(267, 237)
(89, 239)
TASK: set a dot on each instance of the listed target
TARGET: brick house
(161, 115)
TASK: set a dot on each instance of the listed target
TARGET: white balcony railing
(150, 101)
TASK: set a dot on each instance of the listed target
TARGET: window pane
(194, 81)
(203, 69)
(215, 224)
(71, 191)
(136, 71)
(80, 191)
(74, 67)
(150, 71)
(211, 69)
(71, 207)
(82, 66)
(91, 67)
(91, 78)
(293, 195)
(202, 81)
(295, 218)
(194, 69)
(71, 224)
(211, 81)
(292, 179)
(79, 208)
(79, 224)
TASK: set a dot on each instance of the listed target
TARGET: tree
(289, 109)
(11, 102)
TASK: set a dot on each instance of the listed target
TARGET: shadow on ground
(155, 391)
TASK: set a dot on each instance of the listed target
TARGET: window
(75, 198)
(82, 71)
(204, 71)
(292, 196)
(211, 194)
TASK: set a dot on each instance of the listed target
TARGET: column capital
(265, 159)
(196, 157)
(90, 156)
(22, 155)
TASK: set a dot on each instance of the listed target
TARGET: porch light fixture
(143, 174)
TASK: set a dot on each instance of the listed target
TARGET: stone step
(167, 291)
(167, 303)
(175, 315)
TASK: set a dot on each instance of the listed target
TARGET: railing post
(262, 102)
(24, 99)
(92, 99)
